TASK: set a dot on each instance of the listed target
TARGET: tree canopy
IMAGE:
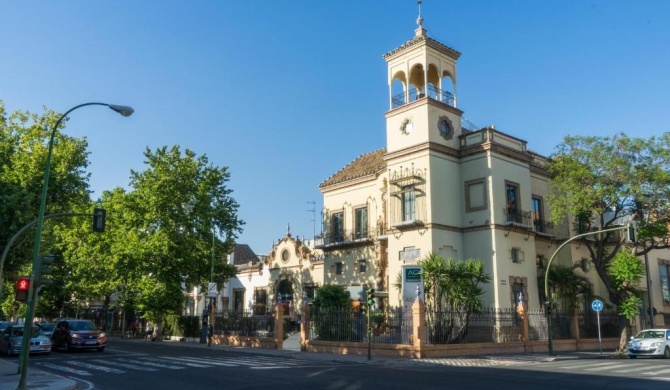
(605, 182)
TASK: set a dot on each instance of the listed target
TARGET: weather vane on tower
(419, 20)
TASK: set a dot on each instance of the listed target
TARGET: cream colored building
(446, 186)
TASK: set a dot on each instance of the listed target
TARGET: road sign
(597, 305)
(211, 290)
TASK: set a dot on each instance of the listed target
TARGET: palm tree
(455, 285)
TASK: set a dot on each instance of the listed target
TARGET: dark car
(47, 328)
(78, 334)
(12, 337)
(4, 325)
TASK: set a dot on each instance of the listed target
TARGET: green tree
(332, 296)
(23, 149)
(604, 181)
(176, 205)
(453, 291)
(568, 287)
(626, 271)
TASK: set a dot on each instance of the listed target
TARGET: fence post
(574, 324)
(522, 311)
(304, 327)
(279, 326)
(419, 328)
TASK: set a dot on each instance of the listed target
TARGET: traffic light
(99, 216)
(22, 287)
(547, 308)
(41, 271)
(371, 297)
(630, 233)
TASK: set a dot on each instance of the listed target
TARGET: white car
(650, 342)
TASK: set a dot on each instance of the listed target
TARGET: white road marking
(95, 367)
(66, 369)
(129, 366)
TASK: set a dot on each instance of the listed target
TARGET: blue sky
(286, 93)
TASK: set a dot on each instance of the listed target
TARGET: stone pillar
(419, 328)
(304, 327)
(574, 324)
(522, 311)
(279, 326)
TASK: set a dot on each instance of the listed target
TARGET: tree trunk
(624, 325)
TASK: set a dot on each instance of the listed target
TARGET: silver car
(650, 342)
(12, 337)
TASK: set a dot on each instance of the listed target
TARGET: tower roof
(421, 38)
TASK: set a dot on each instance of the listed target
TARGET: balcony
(518, 218)
(347, 238)
(543, 227)
(413, 94)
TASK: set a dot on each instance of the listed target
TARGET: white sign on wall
(410, 255)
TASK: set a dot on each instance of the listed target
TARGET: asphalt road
(157, 365)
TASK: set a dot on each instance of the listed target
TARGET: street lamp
(30, 304)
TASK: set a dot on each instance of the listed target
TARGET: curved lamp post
(30, 304)
(547, 304)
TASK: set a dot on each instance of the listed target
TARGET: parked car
(650, 342)
(47, 328)
(12, 337)
(78, 334)
(4, 325)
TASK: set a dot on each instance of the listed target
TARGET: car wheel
(101, 349)
(68, 347)
(9, 350)
(666, 353)
(632, 356)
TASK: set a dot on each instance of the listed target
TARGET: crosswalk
(649, 369)
(120, 364)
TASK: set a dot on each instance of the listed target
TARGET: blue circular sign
(597, 305)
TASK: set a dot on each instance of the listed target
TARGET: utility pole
(313, 210)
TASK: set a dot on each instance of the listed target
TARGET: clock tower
(422, 94)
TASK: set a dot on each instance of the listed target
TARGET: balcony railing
(518, 218)
(347, 237)
(434, 93)
(543, 227)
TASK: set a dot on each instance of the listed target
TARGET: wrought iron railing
(413, 94)
(518, 217)
(544, 227)
(244, 323)
(347, 237)
(485, 326)
(393, 326)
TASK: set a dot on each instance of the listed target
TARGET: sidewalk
(35, 379)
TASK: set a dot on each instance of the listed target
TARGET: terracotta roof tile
(365, 164)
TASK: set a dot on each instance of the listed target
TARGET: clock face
(444, 125)
(407, 126)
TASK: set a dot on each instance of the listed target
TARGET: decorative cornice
(416, 41)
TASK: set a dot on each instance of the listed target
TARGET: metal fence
(393, 326)
(539, 329)
(588, 323)
(485, 326)
(244, 323)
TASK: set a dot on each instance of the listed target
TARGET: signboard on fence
(411, 279)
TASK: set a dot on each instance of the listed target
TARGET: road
(161, 365)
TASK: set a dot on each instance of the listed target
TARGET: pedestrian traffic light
(630, 233)
(22, 287)
(547, 308)
(371, 297)
(99, 216)
(41, 271)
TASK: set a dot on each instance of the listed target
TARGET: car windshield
(82, 325)
(18, 332)
(47, 326)
(650, 334)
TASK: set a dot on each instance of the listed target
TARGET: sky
(286, 93)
